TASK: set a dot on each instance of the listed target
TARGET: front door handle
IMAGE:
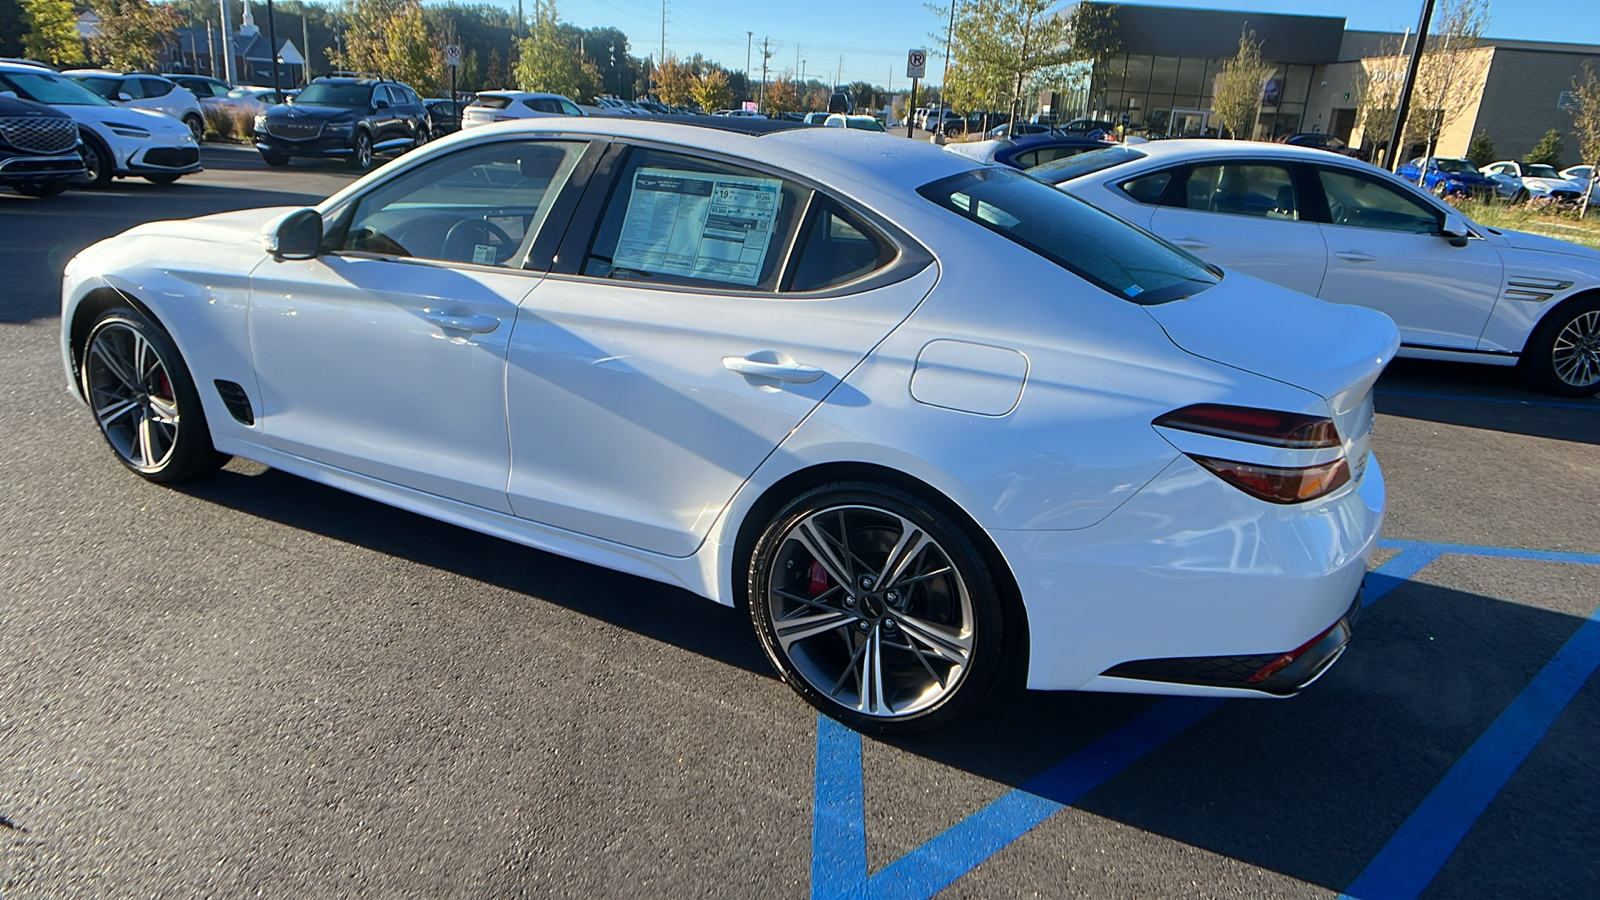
(1190, 243)
(1355, 256)
(794, 373)
(473, 324)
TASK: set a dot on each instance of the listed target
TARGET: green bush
(1548, 151)
(1481, 151)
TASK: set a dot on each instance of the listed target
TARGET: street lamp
(272, 39)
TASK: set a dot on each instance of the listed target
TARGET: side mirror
(1455, 230)
(296, 235)
(124, 96)
(380, 103)
(9, 95)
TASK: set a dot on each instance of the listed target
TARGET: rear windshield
(1093, 245)
(490, 102)
(1083, 164)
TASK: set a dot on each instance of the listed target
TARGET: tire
(40, 188)
(1440, 191)
(361, 159)
(934, 648)
(1562, 356)
(162, 179)
(276, 160)
(1521, 196)
(143, 399)
(420, 137)
(197, 126)
(98, 160)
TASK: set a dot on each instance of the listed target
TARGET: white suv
(116, 142)
(498, 106)
(137, 91)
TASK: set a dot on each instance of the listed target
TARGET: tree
(1238, 88)
(547, 62)
(998, 47)
(1548, 151)
(674, 82)
(711, 90)
(816, 100)
(52, 32)
(1481, 151)
(134, 33)
(391, 38)
(494, 73)
(1586, 114)
(1444, 88)
(781, 96)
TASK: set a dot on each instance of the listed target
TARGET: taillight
(1278, 485)
(1290, 431)
(1258, 426)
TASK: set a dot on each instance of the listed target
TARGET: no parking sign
(917, 64)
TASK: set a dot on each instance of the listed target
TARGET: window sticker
(698, 225)
(483, 254)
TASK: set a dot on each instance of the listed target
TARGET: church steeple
(249, 26)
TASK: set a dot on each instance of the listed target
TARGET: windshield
(1095, 246)
(105, 87)
(48, 88)
(327, 93)
(1083, 164)
(1457, 166)
(1539, 172)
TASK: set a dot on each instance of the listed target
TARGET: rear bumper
(1191, 569)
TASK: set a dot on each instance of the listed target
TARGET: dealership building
(1161, 80)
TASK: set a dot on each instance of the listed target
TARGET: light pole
(272, 47)
(749, 38)
(1403, 105)
(949, 50)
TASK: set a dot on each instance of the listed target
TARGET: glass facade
(1171, 95)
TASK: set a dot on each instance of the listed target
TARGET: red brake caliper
(820, 581)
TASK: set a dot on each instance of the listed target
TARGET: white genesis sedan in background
(766, 362)
(1349, 232)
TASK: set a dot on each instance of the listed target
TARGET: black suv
(349, 117)
(39, 148)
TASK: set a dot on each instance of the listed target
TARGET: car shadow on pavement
(1314, 786)
(1487, 397)
(242, 158)
(658, 611)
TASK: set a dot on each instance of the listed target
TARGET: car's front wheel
(1563, 355)
(40, 188)
(276, 160)
(362, 157)
(420, 137)
(98, 164)
(876, 608)
(144, 400)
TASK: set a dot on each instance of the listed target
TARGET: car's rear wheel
(421, 137)
(1521, 196)
(144, 400)
(362, 157)
(1563, 355)
(40, 188)
(276, 160)
(876, 608)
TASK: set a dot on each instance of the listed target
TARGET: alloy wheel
(1576, 353)
(363, 152)
(131, 392)
(871, 611)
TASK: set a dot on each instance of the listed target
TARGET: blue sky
(872, 36)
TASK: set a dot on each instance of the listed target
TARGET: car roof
(1045, 137)
(1201, 148)
(519, 95)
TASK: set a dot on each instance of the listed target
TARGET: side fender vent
(237, 401)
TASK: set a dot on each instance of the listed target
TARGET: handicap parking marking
(839, 855)
(1429, 395)
(1411, 859)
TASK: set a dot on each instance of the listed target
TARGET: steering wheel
(464, 237)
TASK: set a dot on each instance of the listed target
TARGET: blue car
(1445, 177)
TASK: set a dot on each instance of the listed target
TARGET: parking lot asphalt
(256, 685)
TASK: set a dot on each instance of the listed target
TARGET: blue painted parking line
(1427, 395)
(1408, 863)
(839, 866)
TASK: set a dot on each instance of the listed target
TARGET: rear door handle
(1191, 243)
(473, 324)
(794, 373)
(1355, 256)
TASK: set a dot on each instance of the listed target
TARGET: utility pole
(838, 74)
(522, 21)
(1403, 106)
(211, 45)
(949, 51)
(663, 30)
(272, 47)
(766, 54)
(749, 36)
(305, 51)
(227, 44)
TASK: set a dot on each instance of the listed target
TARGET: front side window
(676, 219)
(1242, 189)
(1364, 202)
(482, 205)
(109, 88)
(1095, 246)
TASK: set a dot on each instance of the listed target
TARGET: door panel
(627, 422)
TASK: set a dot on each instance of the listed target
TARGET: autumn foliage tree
(781, 96)
(390, 38)
(52, 32)
(546, 62)
(711, 90)
(674, 82)
(133, 33)
(1238, 87)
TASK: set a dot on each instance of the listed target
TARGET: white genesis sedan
(767, 363)
(1348, 232)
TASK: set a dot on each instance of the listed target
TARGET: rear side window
(569, 108)
(1148, 188)
(1097, 247)
(836, 248)
(676, 219)
(543, 104)
(153, 87)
